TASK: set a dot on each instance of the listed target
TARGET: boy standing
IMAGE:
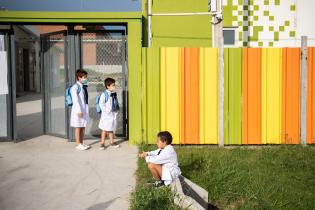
(162, 162)
(80, 108)
(107, 103)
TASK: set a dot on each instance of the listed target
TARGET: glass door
(54, 71)
(7, 110)
(103, 54)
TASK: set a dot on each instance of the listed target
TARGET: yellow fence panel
(170, 91)
(208, 96)
(271, 95)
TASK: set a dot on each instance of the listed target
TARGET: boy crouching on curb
(162, 162)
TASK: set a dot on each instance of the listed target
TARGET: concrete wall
(304, 20)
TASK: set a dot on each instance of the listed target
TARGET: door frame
(124, 66)
(9, 44)
(133, 20)
(44, 78)
(73, 59)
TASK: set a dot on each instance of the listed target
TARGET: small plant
(153, 198)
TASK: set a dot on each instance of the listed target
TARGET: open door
(102, 54)
(7, 95)
(54, 77)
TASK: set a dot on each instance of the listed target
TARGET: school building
(161, 54)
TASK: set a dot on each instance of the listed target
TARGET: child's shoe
(81, 147)
(151, 182)
(158, 184)
(114, 145)
(102, 147)
(87, 146)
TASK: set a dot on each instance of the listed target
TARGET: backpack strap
(79, 88)
(106, 96)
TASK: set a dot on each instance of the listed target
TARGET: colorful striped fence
(189, 94)
(261, 103)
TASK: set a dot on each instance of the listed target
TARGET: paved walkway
(48, 173)
(29, 116)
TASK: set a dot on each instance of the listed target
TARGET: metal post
(43, 41)
(37, 66)
(303, 78)
(71, 65)
(13, 91)
(218, 41)
(5, 42)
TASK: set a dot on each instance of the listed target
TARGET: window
(229, 36)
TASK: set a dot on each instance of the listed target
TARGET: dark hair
(165, 136)
(108, 81)
(80, 73)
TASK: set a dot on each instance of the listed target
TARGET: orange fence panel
(290, 127)
(190, 97)
(252, 95)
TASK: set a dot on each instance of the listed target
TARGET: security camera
(219, 17)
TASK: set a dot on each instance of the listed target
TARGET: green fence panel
(232, 96)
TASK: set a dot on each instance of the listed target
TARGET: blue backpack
(69, 101)
(115, 105)
(97, 102)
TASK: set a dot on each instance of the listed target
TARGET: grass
(275, 177)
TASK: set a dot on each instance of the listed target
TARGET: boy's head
(164, 138)
(81, 75)
(109, 84)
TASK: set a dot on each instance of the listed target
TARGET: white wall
(305, 21)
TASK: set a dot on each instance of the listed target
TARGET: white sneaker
(87, 146)
(81, 147)
(102, 147)
(114, 145)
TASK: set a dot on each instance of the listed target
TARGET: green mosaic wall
(261, 23)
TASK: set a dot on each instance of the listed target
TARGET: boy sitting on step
(162, 162)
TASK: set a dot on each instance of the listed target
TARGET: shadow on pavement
(102, 206)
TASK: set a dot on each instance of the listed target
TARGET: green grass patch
(275, 177)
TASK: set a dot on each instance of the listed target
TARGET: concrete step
(189, 195)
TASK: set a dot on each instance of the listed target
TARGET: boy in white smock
(80, 108)
(162, 162)
(109, 106)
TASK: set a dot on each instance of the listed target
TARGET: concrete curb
(189, 195)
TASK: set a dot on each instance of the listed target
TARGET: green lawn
(274, 177)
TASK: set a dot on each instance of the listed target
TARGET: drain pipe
(149, 2)
(212, 6)
(215, 6)
(184, 14)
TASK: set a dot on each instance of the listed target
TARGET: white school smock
(79, 106)
(168, 159)
(108, 119)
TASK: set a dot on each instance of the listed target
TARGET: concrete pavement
(48, 173)
(29, 116)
